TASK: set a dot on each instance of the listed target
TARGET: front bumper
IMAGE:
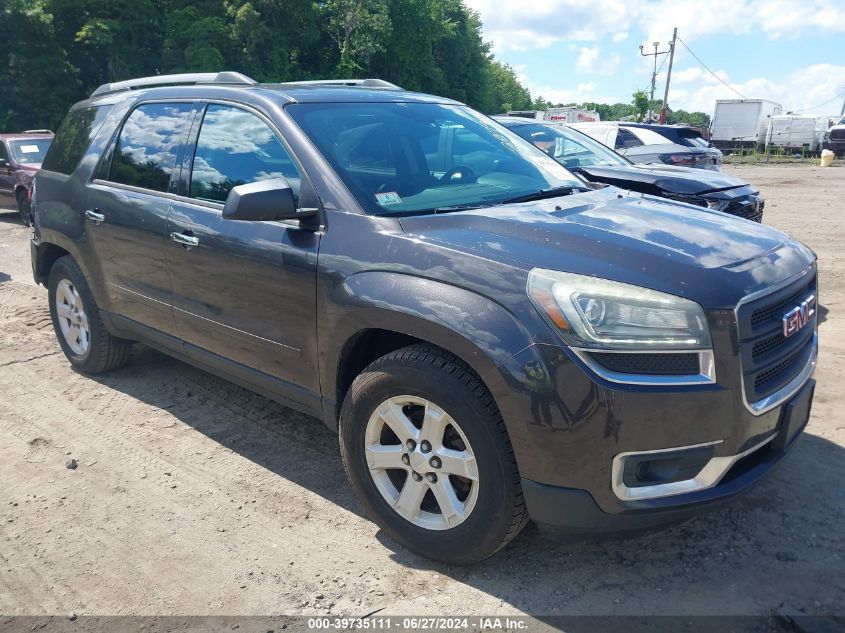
(837, 146)
(570, 424)
(574, 512)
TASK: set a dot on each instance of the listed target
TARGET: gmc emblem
(799, 316)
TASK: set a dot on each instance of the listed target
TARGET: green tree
(39, 83)
(55, 52)
(359, 29)
(505, 91)
(640, 103)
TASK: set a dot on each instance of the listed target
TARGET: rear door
(245, 291)
(128, 204)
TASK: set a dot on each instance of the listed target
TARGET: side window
(626, 140)
(73, 138)
(4, 155)
(234, 148)
(148, 146)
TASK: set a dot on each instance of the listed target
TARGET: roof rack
(227, 77)
(361, 83)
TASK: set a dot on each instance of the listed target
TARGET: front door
(126, 214)
(244, 290)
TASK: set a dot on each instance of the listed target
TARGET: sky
(789, 51)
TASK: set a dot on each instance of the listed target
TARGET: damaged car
(595, 162)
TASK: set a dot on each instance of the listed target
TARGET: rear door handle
(185, 240)
(94, 216)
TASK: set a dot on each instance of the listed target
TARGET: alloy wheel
(73, 321)
(421, 462)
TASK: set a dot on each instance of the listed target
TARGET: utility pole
(842, 111)
(655, 54)
(664, 112)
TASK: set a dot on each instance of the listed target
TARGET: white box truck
(571, 115)
(794, 132)
(741, 122)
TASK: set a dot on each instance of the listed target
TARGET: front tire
(24, 208)
(82, 335)
(428, 456)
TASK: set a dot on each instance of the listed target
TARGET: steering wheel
(464, 172)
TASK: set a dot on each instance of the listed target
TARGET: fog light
(653, 469)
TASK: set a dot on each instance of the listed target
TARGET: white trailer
(794, 132)
(571, 115)
(741, 122)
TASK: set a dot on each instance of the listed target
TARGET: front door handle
(94, 216)
(188, 241)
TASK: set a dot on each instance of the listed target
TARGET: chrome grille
(769, 359)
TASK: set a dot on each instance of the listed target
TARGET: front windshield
(842, 122)
(399, 158)
(30, 151)
(569, 147)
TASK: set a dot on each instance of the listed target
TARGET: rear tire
(84, 339)
(24, 208)
(414, 389)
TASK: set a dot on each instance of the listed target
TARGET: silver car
(645, 143)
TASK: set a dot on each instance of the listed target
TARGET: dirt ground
(194, 496)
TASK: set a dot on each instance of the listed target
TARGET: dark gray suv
(493, 337)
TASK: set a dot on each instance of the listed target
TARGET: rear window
(148, 147)
(73, 138)
(30, 151)
(691, 138)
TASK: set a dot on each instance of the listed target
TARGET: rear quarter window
(73, 138)
(649, 137)
(691, 138)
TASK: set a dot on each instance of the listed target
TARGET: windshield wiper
(554, 192)
(444, 209)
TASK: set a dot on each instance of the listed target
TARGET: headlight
(601, 314)
(718, 205)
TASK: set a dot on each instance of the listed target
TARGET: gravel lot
(194, 496)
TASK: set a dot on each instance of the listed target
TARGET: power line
(836, 98)
(710, 71)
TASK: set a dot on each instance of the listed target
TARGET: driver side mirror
(4, 162)
(264, 200)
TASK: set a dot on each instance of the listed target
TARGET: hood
(667, 178)
(681, 249)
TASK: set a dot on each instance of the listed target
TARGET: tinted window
(236, 147)
(73, 138)
(400, 158)
(147, 148)
(626, 140)
(691, 138)
(568, 147)
(3, 153)
(30, 151)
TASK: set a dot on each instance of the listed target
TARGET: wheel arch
(46, 255)
(385, 311)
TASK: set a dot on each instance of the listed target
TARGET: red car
(20, 158)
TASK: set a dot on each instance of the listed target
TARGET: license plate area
(794, 416)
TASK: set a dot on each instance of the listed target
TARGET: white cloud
(580, 93)
(591, 60)
(540, 23)
(620, 37)
(694, 89)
